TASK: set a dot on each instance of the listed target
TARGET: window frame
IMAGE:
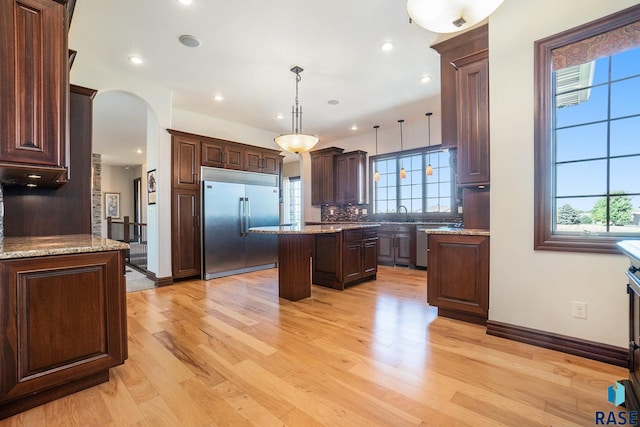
(544, 239)
(435, 216)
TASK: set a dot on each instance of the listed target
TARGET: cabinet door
(64, 318)
(404, 249)
(451, 49)
(322, 175)
(386, 249)
(212, 154)
(186, 163)
(234, 157)
(271, 163)
(473, 119)
(185, 235)
(350, 179)
(253, 160)
(458, 276)
(34, 86)
(369, 257)
(352, 261)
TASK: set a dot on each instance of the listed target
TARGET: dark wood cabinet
(397, 245)
(473, 119)
(186, 163)
(323, 175)
(34, 88)
(458, 276)
(257, 160)
(190, 152)
(63, 325)
(67, 210)
(185, 233)
(450, 50)
(350, 178)
(223, 154)
(477, 207)
(345, 258)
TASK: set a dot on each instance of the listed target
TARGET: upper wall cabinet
(350, 179)
(34, 75)
(460, 46)
(473, 119)
(323, 175)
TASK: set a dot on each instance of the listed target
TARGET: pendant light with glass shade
(403, 173)
(296, 141)
(429, 170)
(376, 176)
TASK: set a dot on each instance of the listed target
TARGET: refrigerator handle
(243, 213)
(248, 216)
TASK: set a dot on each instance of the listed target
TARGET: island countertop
(458, 230)
(311, 229)
(27, 247)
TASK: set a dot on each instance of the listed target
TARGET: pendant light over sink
(296, 141)
(403, 173)
(429, 170)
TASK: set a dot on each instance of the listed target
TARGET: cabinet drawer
(369, 233)
(352, 235)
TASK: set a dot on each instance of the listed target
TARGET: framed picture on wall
(151, 187)
(112, 205)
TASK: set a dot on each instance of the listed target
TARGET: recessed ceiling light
(333, 102)
(139, 151)
(425, 79)
(135, 59)
(354, 127)
(218, 97)
(279, 116)
(386, 46)
(189, 41)
(186, 2)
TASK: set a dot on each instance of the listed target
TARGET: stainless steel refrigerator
(233, 201)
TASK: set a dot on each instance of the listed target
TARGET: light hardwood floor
(229, 352)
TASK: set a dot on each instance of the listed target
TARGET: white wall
(535, 288)
(118, 179)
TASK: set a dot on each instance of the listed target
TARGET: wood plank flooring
(229, 352)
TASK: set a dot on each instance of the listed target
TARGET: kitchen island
(340, 254)
(62, 316)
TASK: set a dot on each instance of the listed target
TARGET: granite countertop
(631, 248)
(311, 229)
(28, 247)
(458, 231)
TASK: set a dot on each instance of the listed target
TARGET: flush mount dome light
(449, 16)
(189, 41)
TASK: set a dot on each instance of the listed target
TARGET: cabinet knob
(633, 269)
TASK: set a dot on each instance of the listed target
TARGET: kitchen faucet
(406, 212)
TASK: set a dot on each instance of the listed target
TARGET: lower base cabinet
(62, 326)
(397, 245)
(344, 258)
(458, 276)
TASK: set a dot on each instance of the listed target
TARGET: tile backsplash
(330, 213)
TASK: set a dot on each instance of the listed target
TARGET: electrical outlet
(579, 310)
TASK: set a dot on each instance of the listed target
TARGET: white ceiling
(248, 48)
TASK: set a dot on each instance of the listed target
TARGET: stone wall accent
(1, 213)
